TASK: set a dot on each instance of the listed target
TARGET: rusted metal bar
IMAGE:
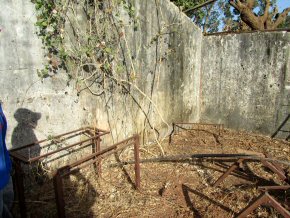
(281, 126)
(91, 159)
(97, 148)
(20, 187)
(137, 162)
(99, 153)
(73, 168)
(190, 158)
(275, 187)
(228, 172)
(31, 160)
(177, 126)
(18, 156)
(97, 129)
(203, 124)
(252, 205)
(200, 5)
(272, 201)
(263, 199)
(172, 133)
(208, 157)
(58, 136)
(278, 166)
(271, 166)
(243, 32)
(267, 162)
(44, 140)
(59, 196)
(99, 165)
(94, 150)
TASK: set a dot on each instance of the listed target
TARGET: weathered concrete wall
(167, 70)
(165, 51)
(244, 80)
(20, 56)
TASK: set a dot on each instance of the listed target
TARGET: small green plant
(50, 23)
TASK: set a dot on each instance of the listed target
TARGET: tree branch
(200, 6)
(282, 17)
(251, 4)
(232, 3)
(266, 13)
(237, 5)
(207, 18)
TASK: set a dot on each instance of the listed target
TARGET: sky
(282, 4)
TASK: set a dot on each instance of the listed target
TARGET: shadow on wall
(23, 133)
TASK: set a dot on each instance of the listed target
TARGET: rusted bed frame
(94, 139)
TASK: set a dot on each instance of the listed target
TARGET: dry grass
(177, 189)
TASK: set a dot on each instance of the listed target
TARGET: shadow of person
(23, 134)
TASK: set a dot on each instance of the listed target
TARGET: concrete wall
(20, 87)
(167, 71)
(245, 80)
(241, 80)
(165, 51)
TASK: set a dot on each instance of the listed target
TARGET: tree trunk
(266, 21)
(254, 22)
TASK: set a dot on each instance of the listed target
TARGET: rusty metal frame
(274, 167)
(266, 199)
(92, 159)
(93, 140)
(281, 126)
(95, 133)
(176, 126)
(247, 32)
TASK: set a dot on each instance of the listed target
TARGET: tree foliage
(206, 17)
(236, 15)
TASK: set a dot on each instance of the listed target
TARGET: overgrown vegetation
(74, 39)
(86, 39)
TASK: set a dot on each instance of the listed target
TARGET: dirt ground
(170, 189)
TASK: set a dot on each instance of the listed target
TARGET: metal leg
(96, 147)
(59, 196)
(20, 188)
(99, 163)
(265, 199)
(137, 162)
(172, 133)
(274, 169)
(228, 172)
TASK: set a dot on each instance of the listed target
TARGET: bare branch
(200, 6)
(282, 17)
(251, 3)
(207, 18)
(232, 3)
(266, 13)
(237, 5)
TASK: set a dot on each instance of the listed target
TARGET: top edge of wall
(245, 32)
(177, 9)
